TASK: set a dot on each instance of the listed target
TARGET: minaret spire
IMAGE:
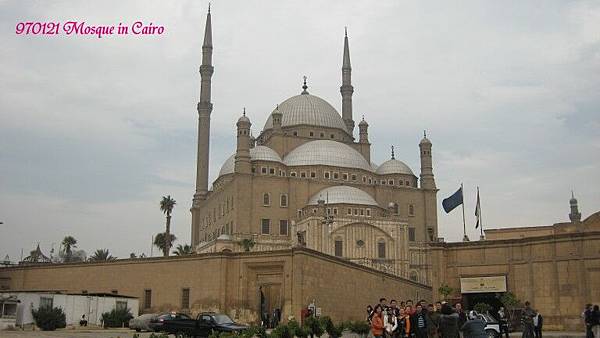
(204, 110)
(346, 89)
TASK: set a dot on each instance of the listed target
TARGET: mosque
(301, 215)
(307, 180)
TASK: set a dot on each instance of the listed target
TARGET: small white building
(16, 306)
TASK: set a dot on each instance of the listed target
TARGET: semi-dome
(326, 152)
(258, 153)
(307, 109)
(343, 194)
(394, 166)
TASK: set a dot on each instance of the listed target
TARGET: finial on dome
(425, 133)
(304, 86)
(209, 8)
(345, 30)
(277, 107)
(393, 157)
(244, 113)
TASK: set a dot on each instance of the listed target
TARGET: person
(410, 308)
(390, 322)
(538, 321)
(474, 327)
(383, 303)
(403, 324)
(587, 317)
(377, 322)
(595, 321)
(448, 322)
(83, 321)
(433, 316)
(527, 321)
(394, 307)
(370, 313)
(503, 322)
(462, 316)
(420, 322)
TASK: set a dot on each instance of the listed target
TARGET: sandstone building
(306, 179)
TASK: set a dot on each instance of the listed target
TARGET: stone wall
(558, 274)
(227, 282)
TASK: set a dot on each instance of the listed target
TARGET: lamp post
(327, 216)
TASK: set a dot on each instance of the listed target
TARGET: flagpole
(465, 238)
(481, 237)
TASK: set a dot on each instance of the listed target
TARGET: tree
(68, 243)
(166, 206)
(445, 290)
(511, 303)
(102, 255)
(183, 250)
(247, 244)
(132, 255)
(482, 308)
(161, 243)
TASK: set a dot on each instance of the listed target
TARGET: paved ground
(126, 333)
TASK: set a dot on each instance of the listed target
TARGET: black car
(156, 323)
(203, 326)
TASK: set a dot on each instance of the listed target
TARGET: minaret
(204, 111)
(277, 116)
(575, 215)
(427, 180)
(242, 153)
(346, 89)
(363, 130)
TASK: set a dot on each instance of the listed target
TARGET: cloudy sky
(94, 131)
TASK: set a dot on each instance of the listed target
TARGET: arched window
(395, 209)
(411, 210)
(266, 199)
(283, 201)
(414, 276)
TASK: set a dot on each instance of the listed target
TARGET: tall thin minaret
(346, 89)
(204, 111)
(575, 215)
(427, 179)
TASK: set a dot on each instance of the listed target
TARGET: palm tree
(161, 243)
(102, 255)
(166, 206)
(183, 250)
(68, 243)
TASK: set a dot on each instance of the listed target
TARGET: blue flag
(453, 201)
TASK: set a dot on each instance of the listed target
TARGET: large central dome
(307, 109)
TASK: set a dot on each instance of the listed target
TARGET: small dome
(258, 153)
(363, 123)
(307, 109)
(228, 166)
(425, 140)
(326, 152)
(343, 194)
(393, 167)
(264, 153)
(244, 119)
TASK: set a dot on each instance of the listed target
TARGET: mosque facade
(306, 180)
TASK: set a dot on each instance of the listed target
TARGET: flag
(453, 201)
(478, 211)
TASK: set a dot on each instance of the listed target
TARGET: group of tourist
(440, 320)
(591, 317)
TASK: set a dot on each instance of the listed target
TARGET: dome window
(407, 183)
(295, 133)
(368, 212)
(332, 136)
(353, 177)
(391, 182)
(336, 175)
(349, 211)
(263, 170)
(322, 135)
(293, 174)
(313, 174)
(311, 134)
(326, 174)
(272, 171)
(345, 176)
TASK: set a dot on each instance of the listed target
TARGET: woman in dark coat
(474, 327)
(448, 322)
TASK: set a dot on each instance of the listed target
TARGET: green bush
(116, 318)
(482, 308)
(158, 335)
(252, 331)
(313, 327)
(360, 327)
(281, 331)
(334, 331)
(49, 319)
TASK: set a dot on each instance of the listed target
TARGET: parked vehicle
(492, 326)
(156, 323)
(202, 326)
(142, 323)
